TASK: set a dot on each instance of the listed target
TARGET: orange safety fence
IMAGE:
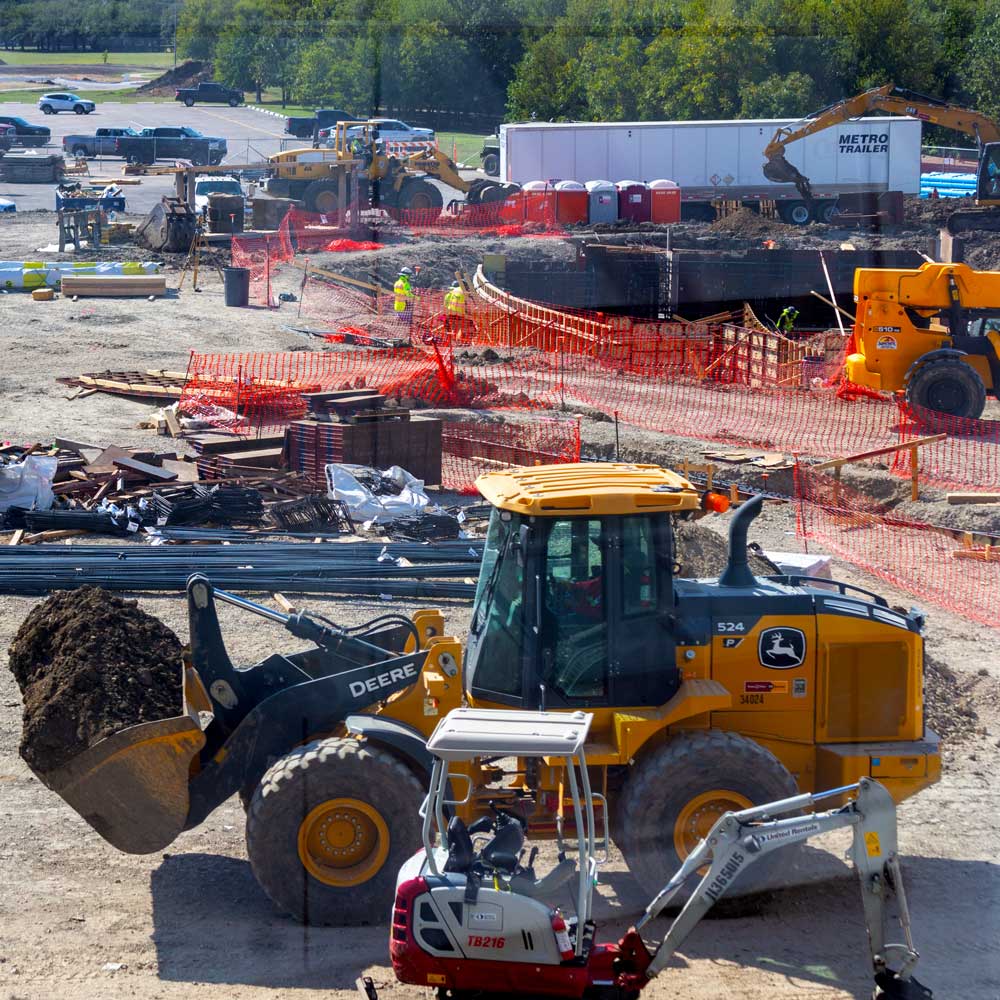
(261, 254)
(956, 571)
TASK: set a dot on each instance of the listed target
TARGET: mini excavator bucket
(132, 787)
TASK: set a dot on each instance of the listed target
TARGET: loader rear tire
(328, 828)
(948, 385)
(420, 195)
(322, 197)
(674, 795)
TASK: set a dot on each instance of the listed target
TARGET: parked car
(168, 142)
(7, 137)
(209, 93)
(303, 128)
(103, 143)
(221, 184)
(25, 134)
(393, 130)
(51, 104)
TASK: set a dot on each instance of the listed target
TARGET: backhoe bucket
(132, 787)
(780, 171)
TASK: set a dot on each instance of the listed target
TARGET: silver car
(52, 104)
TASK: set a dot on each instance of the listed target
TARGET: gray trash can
(236, 281)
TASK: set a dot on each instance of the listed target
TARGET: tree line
(560, 60)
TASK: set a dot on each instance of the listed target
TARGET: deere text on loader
(706, 697)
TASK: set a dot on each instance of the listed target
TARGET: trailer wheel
(948, 385)
(491, 164)
(321, 197)
(672, 797)
(328, 828)
(795, 213)
(827, 212)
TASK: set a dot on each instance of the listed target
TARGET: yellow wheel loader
(706, 697)
(932, 332)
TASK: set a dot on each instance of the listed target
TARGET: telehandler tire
(673, 796)
(948, 385)
(328, 828)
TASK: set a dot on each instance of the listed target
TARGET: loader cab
(575, 602)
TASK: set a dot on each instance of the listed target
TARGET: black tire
(79, 109)
(794, 213)
(670, 778)
(420, 195)
(322, 197)
(215, 159)
(233, 102)
(80, 151)
(948, 385)
(189, 102)
(296, 787)
(491, 164)
(47, 109)
(827, 212)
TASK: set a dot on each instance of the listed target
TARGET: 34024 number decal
(477, 941)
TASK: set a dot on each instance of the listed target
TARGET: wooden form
(114, 285)
(963, 498)
(838, 463)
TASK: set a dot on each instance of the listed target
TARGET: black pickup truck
(209, 93)
(103, 143)
(304, 128)
(25, 134)
(171, 143)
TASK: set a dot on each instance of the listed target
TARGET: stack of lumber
(30, 168)
(114, 285)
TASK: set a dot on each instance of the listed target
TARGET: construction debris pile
(89, 664)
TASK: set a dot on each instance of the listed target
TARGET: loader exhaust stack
(737, 572)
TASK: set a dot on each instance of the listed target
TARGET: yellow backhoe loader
(706, 696)
(933, 332)
(899, 101)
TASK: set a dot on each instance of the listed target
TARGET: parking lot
(251, 136)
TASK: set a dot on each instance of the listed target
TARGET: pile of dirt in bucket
(89, 664)
(702, 552)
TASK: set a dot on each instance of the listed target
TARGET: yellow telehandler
(706, 696)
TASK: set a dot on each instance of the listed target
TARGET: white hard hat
(405, 270)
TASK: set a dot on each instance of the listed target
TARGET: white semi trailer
(721, 160)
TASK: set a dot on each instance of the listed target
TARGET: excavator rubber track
(971, 220)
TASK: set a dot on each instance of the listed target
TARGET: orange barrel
(633, 201)
(571, 202)
(665, 201)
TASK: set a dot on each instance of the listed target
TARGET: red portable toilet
(603, 205)
(571, 202)
(539, 202)
(633, 201)
(512, 209)
(665, 201)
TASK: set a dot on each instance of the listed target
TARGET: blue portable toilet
(602, 197)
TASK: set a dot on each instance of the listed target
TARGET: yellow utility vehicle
(706, 696)
(933, 332)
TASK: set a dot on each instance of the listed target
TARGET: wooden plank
(891, 449)
(187, 472)
(114, 285)
(173, 424)
(957, 498)
(53, 536)
(15, 539)
(285, 604)
(151, 471)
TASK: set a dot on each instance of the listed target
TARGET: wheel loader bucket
(132, 787)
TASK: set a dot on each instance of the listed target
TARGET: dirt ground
(79, 920)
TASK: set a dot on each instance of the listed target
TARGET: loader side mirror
(521, 544)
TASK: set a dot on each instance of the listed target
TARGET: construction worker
(786, 321)
(403, 301)
(454, 309)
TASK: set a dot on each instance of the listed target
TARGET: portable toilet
(571, 202)
(665, 201)
(512, 208)
(602, 202)
(633, 201)
(539, 202)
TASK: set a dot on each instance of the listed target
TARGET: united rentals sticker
(781, 648)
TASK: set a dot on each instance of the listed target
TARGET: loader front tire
(675, 794)
(328, 828)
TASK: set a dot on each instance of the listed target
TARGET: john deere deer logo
(781, 648)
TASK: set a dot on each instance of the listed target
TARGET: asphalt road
(251, 136)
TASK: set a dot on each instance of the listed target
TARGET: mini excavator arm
(889, 98)
(738, 839)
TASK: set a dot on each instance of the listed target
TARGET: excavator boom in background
(899, 101)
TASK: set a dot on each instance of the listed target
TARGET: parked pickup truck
(168, 142)
(25, 134)
(209, 93)
(103, 143)
(303, 128)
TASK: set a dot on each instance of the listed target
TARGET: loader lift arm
(738, 839)
(888, 98)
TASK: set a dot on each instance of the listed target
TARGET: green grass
(149, 60)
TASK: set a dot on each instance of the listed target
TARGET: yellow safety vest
(403, 291)
(454, 302)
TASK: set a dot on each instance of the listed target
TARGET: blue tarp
(7, 206)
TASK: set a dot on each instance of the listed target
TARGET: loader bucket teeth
(132, 787)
